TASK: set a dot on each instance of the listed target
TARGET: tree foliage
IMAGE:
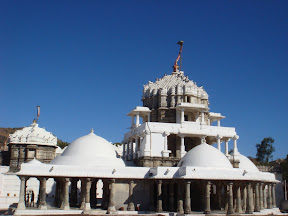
(62, 144)
(265, 150)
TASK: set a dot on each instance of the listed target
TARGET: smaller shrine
(29, 143)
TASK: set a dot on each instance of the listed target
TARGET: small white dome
(205, 155)
(89, 150)
(246, 163)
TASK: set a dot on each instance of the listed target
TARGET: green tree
(62, 144)
(265, 150)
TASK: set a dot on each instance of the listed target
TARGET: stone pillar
(179, 199)
(226, 146)
(137, 119)
(65, 203)
(257, 198)
(235, 148)
(83, 194)
(230, 209)
(42, 203)
(202, 117)
(182, 147)
(147, 134)
(264, 196)
(22, 194)
(159, 196)
(187, 206)
(249, 208)
(219, 195)
(269, 196)
(244, 195)
(261, 196)
(218, 137)
(111, 206)
(165, 152)
(131, 206)
(273, 195)
(207, 198)
(218, 123)
(182, 115)
(171, 197)
(74, 191)
(87, 195)
(238, 199)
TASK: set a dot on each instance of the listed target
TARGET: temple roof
(33, 135)
(176, 82)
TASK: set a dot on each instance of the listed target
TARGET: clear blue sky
(85, 63)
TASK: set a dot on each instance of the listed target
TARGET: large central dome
(89, 150)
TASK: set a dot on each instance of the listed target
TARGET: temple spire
(175, 66)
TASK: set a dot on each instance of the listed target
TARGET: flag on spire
(38, 112)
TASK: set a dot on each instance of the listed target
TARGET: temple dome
(33, 135)
(246, 163)
(205, 155)
(89, 150)
(177, 81)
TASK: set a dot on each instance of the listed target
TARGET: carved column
(147, 149)
(171, 197)
(226, 146)
(159, 196)
(182, 147)
(187, 208)
(87, 195)
(269, 200)
(22, 194)
(182, 115)
(264, 196)
(111, 206)
(207, 198)
(218, 137)
(179, 199)
(131, 206)
(249, 208)
(257, 198)
(244, 196)
(238, 199)
(165, 152)
(230, 209)
(261, 196)
(273, 195)
(83, 193)
(42, 203)
(65, 204)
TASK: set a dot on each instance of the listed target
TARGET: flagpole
(38, 112)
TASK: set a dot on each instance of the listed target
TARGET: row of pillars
(233, 197)
(63, 200)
